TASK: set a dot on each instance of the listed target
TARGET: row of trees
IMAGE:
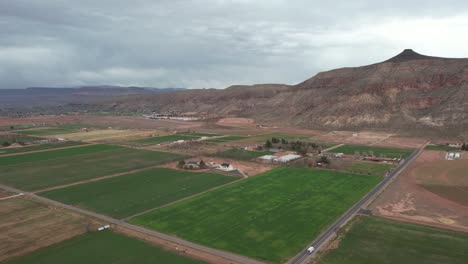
(300, 147)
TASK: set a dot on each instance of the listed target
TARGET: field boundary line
(181, 200)
(45, 150)
(11, 196)
(95, 179)
(334, 147)
(143, 230)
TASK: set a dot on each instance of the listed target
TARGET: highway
(303, 257)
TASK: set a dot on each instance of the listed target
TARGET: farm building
(192, 165)
(288, 158)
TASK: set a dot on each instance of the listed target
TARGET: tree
(464, 147)
(6, 144)
(323, 159)
(12, 127)
(202, 165)
(275, 140)
(268, 144)
(181, 164)
(302, 151)
(284, 141)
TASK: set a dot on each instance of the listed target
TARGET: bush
(6, 144)
(181, 164)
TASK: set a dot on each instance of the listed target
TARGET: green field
(127, 195)
(225, 139)
(271, 216)
(39, 147)
(103, 247)
(40, 170)
(375, 240)
(441, 148)
(373, 151)
(47, 131)
(240, 154)
(163, 139)
(369, 168)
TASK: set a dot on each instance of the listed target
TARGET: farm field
(441, 148)
(369, 168)
(225, 139)
(240, 154)
(129, 194)
(431, 190)
(102, 247)
(373, 240)
(27, 225)
(49, 146)
(41, 170)
(271, 216)
(16, 138)
(47, 131)
(163, 139)
(373, 151)
(111, 135)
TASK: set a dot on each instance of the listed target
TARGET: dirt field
(109, 135)
(26, 225)
(248, 168)
(196, 148)
(432, 191)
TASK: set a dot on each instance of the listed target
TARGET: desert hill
(408, 93)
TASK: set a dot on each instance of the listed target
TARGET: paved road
(303, 257)
(226, 255)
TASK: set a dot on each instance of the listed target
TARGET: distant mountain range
(51, 96)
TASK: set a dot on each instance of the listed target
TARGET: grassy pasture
(375, 240)
(369, 168)
(240, 154)
(163, 139)
(102, 247)
(48, 146)
(271, 216)
(47, 131)
(225, 139)
(376, 151)
(127, 195)
(40, 170)
(441, 148)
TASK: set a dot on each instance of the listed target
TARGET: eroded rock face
(408, 91)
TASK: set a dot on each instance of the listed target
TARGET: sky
(214, 43)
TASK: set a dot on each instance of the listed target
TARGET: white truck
(310, 250)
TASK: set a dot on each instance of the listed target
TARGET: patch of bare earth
(27, 225)
(409, 199)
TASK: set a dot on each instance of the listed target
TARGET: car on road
(310, 250)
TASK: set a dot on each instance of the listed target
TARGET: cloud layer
(214, 43)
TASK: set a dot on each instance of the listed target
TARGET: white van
(310, 250)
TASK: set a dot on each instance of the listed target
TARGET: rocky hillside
(409, 92)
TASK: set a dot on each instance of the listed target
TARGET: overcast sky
(214, 43)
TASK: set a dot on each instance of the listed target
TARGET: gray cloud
(213, 43)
